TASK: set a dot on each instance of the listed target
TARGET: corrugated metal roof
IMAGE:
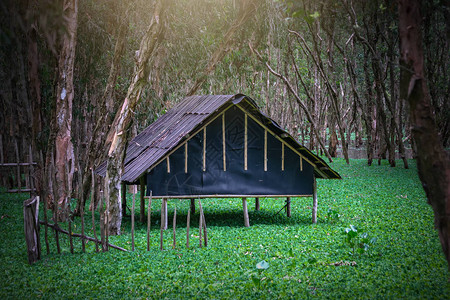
(157, 140)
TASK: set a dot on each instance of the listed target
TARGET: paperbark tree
(60, 157)
(107, 109)
(117, 136)
(432, 160)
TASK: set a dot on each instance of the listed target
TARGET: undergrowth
(277, 257)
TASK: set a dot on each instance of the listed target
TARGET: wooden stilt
(314, 209)
(188, 224)
(166, 215)
(205, 232)
(132, 220)
(200, 227)
(149, 213)
(123, 191)
(192, 206)
(257, 203)
(288, 207)
(174, 223)
(163, 221)
(142, 195)
(244, 206)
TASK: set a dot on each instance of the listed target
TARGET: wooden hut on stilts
(221, 146)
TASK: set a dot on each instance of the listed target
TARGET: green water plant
(359, 243)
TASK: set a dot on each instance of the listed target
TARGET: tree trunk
(59, 175)
(107, 108)
(432, 160)
(117, 137)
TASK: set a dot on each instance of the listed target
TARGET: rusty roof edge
(182, 138)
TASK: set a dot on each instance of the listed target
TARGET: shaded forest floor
(305, 260)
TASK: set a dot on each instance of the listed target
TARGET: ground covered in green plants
(374, 239)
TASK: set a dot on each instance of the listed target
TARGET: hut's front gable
(232, 155)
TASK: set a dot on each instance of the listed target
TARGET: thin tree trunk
(117, 137)
(107, 108)
(432, 160)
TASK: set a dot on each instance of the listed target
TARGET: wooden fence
(32, 228)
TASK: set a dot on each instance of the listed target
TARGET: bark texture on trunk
(117, 137)
(60, 157)
(432, 160)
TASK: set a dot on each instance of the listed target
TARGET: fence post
(31, 226)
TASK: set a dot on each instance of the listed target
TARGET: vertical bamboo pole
(31, 172)
(70, 226)
(45, 227)
(246, 219)
(192, 206)
(93, 209)
(55, 213)
(101, 212)
(265, 150)
(174, 228)
(123, 191)
(25, 173)
(314, 209)
(186, 157)
(200, 226)
(205, 232)
(282, 156)
(19, 183)
(149, 213)
(162, 223)
(257, 203)
(301, 164)
(204, 149)
(142, 195)
(2, 160)
(224, 143)
(245, 143)
(166, 215)
(83, 241)
(288, 207)
(188, 224)
(107, 225)
(168, 164)
(132, 220)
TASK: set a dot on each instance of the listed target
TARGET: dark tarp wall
(235, 180)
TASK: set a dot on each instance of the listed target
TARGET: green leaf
(262, 265)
